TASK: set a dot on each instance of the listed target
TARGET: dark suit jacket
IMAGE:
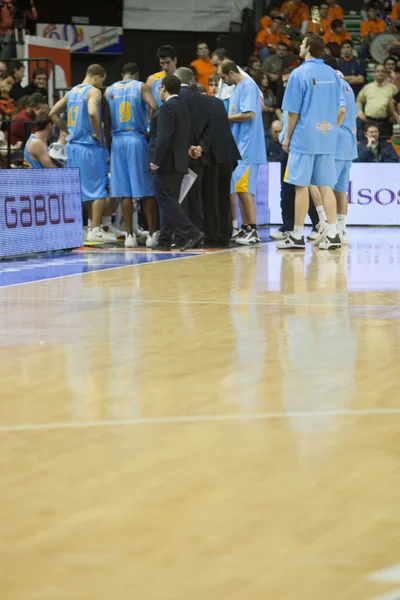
(223, 146)
(201, 120)
(386, 153)
(170, 137)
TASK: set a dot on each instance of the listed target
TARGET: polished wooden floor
(221, 427)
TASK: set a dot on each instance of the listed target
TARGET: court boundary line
(118, 267)
(269, 416)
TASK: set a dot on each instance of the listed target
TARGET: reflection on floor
(224, 426)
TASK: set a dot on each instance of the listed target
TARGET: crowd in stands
(276, 46)
(19, 107)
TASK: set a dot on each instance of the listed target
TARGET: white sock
(342, 221)
(235, 224)
(106, 221)
(321, 213)
(298, 232)
(89, 222)
(332, 230)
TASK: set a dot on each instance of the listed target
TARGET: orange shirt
(335, 12)
(296, 13)
(265, 22)
(330, 36)
(396, 12)
(266, 38)
(204, 69)
(368, 27)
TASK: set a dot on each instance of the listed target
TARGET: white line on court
(202, 419)
(200, 302)
(394, 595)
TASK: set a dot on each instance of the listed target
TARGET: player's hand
(154, 167)
(285, 144)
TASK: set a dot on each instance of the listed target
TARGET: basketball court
(202, 426)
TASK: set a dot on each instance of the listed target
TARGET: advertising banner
(40, 210)
(55, 50)
(86, 39)
(374, 194)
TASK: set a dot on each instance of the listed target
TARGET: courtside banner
(40, 210)
(374, 194)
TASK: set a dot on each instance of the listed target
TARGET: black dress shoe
(192, 242)
(208, 243)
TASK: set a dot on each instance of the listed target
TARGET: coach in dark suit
(169, 148)
(201, 134)
(222, 156)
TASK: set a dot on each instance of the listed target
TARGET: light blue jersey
(346, 148)
(249, 135)
(282, 134)
(127, 109)
(79, 126)
(313, 92)
(28, 161)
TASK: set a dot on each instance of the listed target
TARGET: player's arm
(57, 110)
(93, 103)
(292, 122)
(106, 120)
(148, 98)
(341, 115)
(150, 83)
(38, 151)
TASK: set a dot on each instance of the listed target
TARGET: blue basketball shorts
(92, 162)
(310, 169)
(244, 178)
(342, 175)
(130, 175)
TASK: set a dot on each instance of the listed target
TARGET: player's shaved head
(95, 71)
(130, 69)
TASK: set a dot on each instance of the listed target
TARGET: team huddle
(319, 133)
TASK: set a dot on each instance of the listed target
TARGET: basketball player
(312, 99)
(85, 147)
(130, 104)
(35, 153)
(168, 61)
(346, 152)
(247, 129)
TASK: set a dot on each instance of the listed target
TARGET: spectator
(325, 22)
(38, 83)
(268, 39)
(273, 65)
(369, 29)
(266, 20)
(22, 125)
(18, 70)
(7, 41)
(296, 14)
(373, 149)
(6, 104)
(203, 64)
(3, 67)
(376, 103)
(335, 11)
(254, 66)
(337, 33)
(273, 145)
(392, 70)
(268, 104)
(395, 14)
(353, 68)
(332, 49)
(213, 84)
